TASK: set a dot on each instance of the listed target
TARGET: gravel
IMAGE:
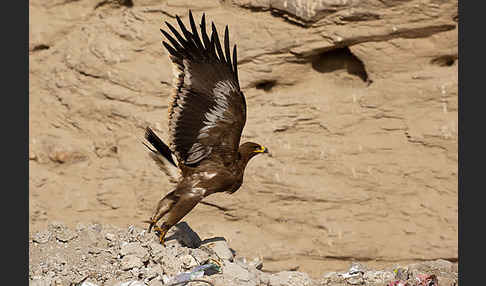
(95, 255)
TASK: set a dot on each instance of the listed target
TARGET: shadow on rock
(185, 235)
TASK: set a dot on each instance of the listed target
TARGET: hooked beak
(265, 151)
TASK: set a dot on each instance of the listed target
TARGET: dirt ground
(357, 102)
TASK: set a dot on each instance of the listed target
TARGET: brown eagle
(207, 113)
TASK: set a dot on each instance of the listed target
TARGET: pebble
(200, 255)
(42, 237)
(356, 268)
(235, 271)
(257, 263)
(188, 261)
(66, 235)
(130, 261)
(355, 279)
(221, 248)
(134, 248)
(110, 236)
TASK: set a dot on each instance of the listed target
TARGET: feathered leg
(185, 203)
(163, 207)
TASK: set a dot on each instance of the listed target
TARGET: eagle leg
(163, 207)
(183, 206)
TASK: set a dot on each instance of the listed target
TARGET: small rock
(355, 279)
(67, 156)
(137, 272)
(80, 226)
(153, 270)
(130, 261)
(200, 255)
(401, 274)
(221, 248)
(42, 237)
(356, 268)
(94, 250)
(134, 248)
(165, 279)
(131, 229)
(32, 155)
(256, 263)
(66, 235)
(58, 282)
(236, 271)
(170, 263)
(97, 227)
(55, 226)
(377, 277)
(188, 261)
(265, 278)
(110, 236)
(157, 250)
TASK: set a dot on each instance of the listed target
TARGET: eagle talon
(161, 233)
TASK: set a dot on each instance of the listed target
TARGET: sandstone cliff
(357, 100)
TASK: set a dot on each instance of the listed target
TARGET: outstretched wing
(207, 111)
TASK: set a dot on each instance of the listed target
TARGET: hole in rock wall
(340, 59)
(444, 61)
(266, 85)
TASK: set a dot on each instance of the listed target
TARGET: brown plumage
(207, 113)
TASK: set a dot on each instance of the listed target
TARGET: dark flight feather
(204, 35)
(235, 68)
(207, 111)
(218, 45)
(226, 46)
(172, 40)
(196, 38)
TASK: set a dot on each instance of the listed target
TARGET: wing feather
(218, 45)
(235, 68)
(226, 45)
(204, 35)
(207, 111)
(194, 32)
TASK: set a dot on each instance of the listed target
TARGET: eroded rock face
(357, 100)
(136, 258)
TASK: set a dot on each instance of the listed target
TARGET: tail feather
(162, 156)
(159, 145)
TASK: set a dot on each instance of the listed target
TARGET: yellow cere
(261, 150)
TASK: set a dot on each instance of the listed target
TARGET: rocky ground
(356, 100)
(95, 254)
